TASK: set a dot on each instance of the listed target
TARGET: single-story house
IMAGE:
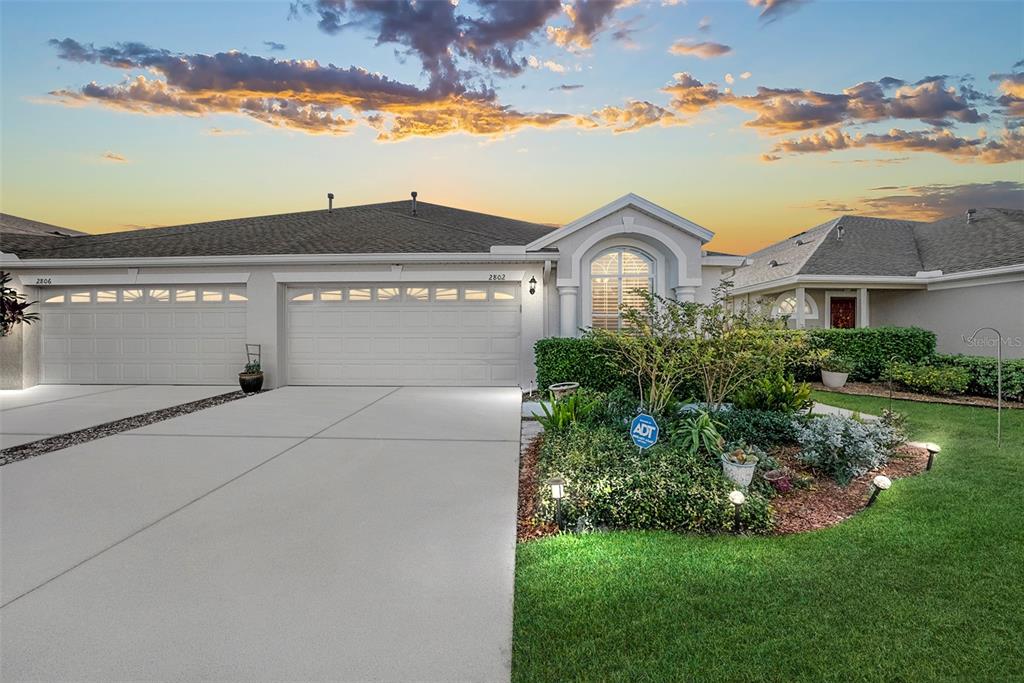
(396, 293)
(952, 276)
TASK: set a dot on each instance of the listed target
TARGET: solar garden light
(881, 483)
(557, 485)
(932, 448)
(737, 499)
(999, 380)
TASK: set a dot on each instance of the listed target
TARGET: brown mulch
(527, 526)
(33, 448)
(825, 503)
(882, 390)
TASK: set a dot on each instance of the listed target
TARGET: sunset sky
(754, 119)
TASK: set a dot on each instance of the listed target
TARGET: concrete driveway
(303, 534)
(50, 409)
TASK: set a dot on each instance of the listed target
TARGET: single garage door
(190, 334)
(404, 334)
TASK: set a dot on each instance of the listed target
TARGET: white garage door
(190, 334)
(404, 334)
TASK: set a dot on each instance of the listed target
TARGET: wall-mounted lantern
(533, 285)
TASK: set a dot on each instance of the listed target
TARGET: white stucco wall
(956, 313)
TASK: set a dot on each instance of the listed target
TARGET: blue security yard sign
(644, 431)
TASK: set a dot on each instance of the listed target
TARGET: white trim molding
(627, 200)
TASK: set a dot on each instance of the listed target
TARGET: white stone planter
(739, 474)
(563, 389)
(834, 380)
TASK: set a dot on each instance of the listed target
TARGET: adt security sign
(644, 431)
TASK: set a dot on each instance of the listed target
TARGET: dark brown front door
(843, 312)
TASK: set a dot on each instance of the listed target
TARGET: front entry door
(843, 312)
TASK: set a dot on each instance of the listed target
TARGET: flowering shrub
(844, 448)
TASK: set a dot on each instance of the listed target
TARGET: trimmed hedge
(930, 379)
(569, 359)
(981, 371)
(871, 349)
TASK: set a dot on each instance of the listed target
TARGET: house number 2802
(496, 276)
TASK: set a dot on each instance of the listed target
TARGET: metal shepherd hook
(999, 380)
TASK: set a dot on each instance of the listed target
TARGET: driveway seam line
(71, 398)
(194, 500)
(319, 438)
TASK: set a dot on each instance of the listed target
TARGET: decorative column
(685, 294)
(568, 324)
(863, 308)
(801, 301)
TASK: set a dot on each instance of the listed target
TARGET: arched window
(615, 277)
(785, 307)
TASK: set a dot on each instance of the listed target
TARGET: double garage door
(431, 334)
(143, 335)
(401, 334)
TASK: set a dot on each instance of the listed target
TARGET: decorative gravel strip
(33, 448)
(882, 390)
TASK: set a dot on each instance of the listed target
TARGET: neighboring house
(22, 234)
(951, 276)
(394, 293)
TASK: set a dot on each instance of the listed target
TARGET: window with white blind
(617, 276)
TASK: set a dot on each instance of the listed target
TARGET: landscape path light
(881, 483)
(737, 499)
(932, 448)
(557, 485)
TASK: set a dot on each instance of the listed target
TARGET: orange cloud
(703, 49)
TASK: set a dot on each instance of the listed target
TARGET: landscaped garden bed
(739, 451)
(882, 390)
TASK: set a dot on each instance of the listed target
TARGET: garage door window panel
(185, 296)
(80, 297)
(159, 296)
(470, 294)
(55, 298)
(133, 296)
(360, 294)
(330, 295)
(446, 294)
(388, 293)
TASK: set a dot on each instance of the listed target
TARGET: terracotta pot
(834, 380)
(251, 382)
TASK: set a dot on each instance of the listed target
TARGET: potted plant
(835, 370)
(251, 379)
(739, 464)
(780, 479)
(563, 389)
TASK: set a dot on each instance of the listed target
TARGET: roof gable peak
(628, 200)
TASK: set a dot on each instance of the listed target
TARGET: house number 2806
(44, 280)
(496, 276)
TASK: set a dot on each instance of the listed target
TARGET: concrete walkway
(304, 534)
(47, 410)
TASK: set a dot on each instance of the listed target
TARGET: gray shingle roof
(23, 226)
(387, 228)
(885, 247)
(995, 237)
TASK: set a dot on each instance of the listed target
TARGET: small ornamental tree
(665, 343)
(14, 307)
(650, 348)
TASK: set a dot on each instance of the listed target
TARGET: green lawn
(927, 585)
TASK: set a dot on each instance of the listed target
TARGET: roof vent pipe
(839, 233)
(330, 202)
(970, 215)
(414, 202)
